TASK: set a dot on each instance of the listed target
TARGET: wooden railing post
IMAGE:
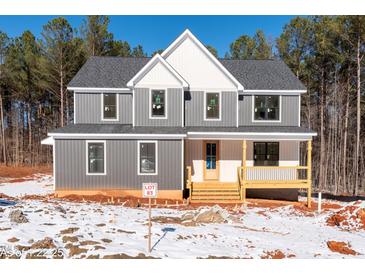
(243, 187)
(309, 173)
(189, 184)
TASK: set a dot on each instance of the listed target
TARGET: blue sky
(157, 32)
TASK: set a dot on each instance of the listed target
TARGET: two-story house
(186, 120)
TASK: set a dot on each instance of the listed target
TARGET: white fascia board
(251, 138)
(253, 133)
(116, 135)
(150, 64)
(273, 91)
(48, 141)
(187, 33)
(98, 90)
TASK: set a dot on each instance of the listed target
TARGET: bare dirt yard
(14, 174)
(35, 224)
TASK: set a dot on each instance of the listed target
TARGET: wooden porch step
(215, 186)
(214, 191)
(235, 197)
(237, 201)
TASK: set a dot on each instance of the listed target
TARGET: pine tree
(96, 35)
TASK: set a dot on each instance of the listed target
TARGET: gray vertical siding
(121, 166)
(142, 108)
(194, 110)
(289, 111)
(88, 108)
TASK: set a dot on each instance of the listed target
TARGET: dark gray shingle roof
(115, 72)
(115, 129)
(128, 129)
(263, 74)
(107, 72)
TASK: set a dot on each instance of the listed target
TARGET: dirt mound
(23, 171)
(125, 256)
(4, 196)
(69, 230)
(71, 239)
(166, 220)
(13, 240)
(89, 242)
(203, 215)
(76, 250)
(46, 243)
(215, 214)
(276, 254)
(17, 216)
(351, 217)
(44, 198)
(341, 247)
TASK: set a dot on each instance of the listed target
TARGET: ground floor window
(95, 157)
(266, 153)
(147, 162)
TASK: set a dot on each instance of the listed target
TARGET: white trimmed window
(95, 158)
(267, 108)
(147, 157)
(110, 106)
(158, 103)
(212, 105)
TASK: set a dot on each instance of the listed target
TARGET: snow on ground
(98, 230)
(36, 185)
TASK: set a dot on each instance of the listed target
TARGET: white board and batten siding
(197, 68)
(158, 76)
(231, 158)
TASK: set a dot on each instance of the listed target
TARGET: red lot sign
(149, 190)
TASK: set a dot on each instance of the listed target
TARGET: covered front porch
(222, 169)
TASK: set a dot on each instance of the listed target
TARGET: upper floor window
(266, 154)
(158, 103)
(147, 162)
(267, 107)
(212, 105)
(95, 152)
(110, 106)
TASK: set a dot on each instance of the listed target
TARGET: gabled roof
(188, 35)
(107, 72)
(150, 64)
(266, 74)
(115, 72)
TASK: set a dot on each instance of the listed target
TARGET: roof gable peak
(151, 63)
(187, 34)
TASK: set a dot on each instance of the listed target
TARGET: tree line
(325, 53)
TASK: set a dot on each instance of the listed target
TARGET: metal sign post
(149, 190)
